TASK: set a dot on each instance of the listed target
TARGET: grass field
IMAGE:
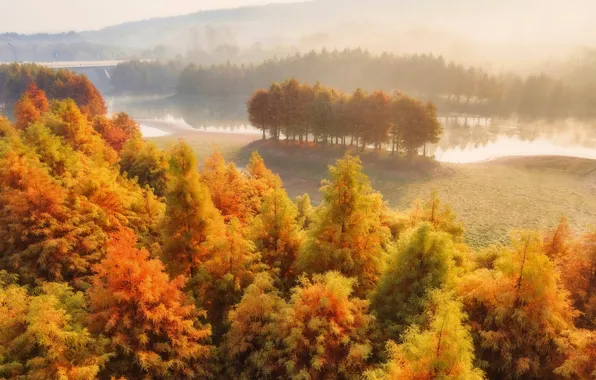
(492, 198)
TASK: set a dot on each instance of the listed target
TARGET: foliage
(153, 327)
(43, 334)
(519, 311)
(144, 161)
(347, 235)
(440, 347)
(423, 261)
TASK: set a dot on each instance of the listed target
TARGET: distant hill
(505, 32)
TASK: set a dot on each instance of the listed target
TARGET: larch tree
(260, 181)
(144, 161)
(250, 350)
(277, 235)
(154, 328)
(423, 261)
(347, 235)
(43, 335)
(192, 226)
(439, 214)
(439, 347)
(556, 241)
(44, 233)
(324, 330)
(578, 272)
(519, 312)
(228, 187)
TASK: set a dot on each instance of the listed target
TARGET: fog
(524, 36)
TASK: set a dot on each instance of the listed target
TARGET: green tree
(192, 226)
(277, 235)
(347, 235)
(439, 347)
(423, 261)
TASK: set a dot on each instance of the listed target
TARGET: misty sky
(33, 16)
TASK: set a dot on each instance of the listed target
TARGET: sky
(38, 16)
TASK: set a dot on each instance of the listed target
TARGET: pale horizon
(60, 16)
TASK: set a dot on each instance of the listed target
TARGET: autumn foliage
(121, 260)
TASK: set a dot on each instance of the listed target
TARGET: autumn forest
(120, 260)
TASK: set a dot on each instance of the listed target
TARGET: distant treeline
(452, 87)
(146, 77)
(57, 84)
(298, 110)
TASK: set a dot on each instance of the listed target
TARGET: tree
(44, 234)
(154, 329)
(257, 107)
(25, 113)
(324, 330)
(144, 161)
(347, 235)
(117, 130)
(260, 181)
(578, 271)
(440, 347)
(519, 311)
(423, 261)
(556, 242)
(43, 335)
(38, 98)
(438, 214)
(192, 226)
(249, 348)
(277, 235)
(228, 188)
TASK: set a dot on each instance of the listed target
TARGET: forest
(119, 260)
(453, 87)
(299, 110)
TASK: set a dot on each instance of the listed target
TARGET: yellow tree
(43, 336)
(347, 235)
(277, 235)
(192, 226)
(440, 347)
(519, 311)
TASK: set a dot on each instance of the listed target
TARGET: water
(465, 140)
(505, 146)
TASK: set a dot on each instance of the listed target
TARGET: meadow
(492, 198)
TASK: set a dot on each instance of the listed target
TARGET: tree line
(57, 84)
(120, 260)
(454, 88)
(298, 111)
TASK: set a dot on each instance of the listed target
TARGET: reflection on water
(513, 146)
(465, 140)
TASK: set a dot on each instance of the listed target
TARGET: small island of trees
(298, 111)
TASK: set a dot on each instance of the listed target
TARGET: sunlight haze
(40, 16)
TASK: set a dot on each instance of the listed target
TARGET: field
(492, 198)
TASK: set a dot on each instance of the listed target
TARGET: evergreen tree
(440, 347)
(192, 226)
(347, 235)
(423, 261)
(277, 235)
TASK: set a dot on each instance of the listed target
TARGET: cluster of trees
(452, 87)
(57, 84)
(119, 260)
(298, 110)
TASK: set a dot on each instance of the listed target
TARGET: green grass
(491, 198)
